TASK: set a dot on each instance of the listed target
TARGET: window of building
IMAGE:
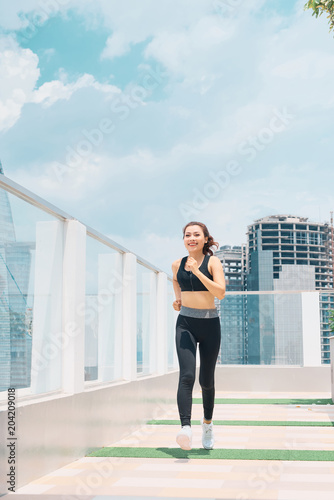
(301, 237)
(270, 240)
(269, 233)
(313, 238)
(301, 248)
(287, 237)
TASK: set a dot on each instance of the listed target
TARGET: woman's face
(194, 238)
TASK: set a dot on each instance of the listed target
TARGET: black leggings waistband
(199, 313)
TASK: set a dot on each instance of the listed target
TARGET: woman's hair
(210, 243)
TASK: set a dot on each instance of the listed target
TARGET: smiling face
(194, 238)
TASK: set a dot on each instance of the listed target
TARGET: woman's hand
(192, 263)
(177, 304)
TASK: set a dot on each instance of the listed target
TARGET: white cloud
(193, 52)
(19, 74)
(29, 15)
(51, 92)
(116, 46)
(297, 67)
(97, 172)
(160, 250)
(77, 183)
(48, 54)
(311, 65)
(133, 22)
(226, 78)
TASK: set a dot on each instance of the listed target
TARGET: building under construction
(286, 252)
(294, 241)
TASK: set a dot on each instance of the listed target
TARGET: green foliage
(321, 6)
(331, 320)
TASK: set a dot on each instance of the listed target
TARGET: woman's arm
(217, 287)
(176, 286)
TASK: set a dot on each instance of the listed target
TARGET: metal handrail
(33, 199)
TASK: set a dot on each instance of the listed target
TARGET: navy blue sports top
(188, 281)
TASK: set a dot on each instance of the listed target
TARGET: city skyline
(282, 253)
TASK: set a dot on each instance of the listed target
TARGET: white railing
(278, 327)
(331, 340)
(89, 311)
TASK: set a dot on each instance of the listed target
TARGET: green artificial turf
(227, 454)
(257, 423)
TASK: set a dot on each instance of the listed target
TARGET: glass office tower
(232, 307)
(15, 315)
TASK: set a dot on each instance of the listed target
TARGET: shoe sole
(183, 442)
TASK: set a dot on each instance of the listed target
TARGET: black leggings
(189, 331)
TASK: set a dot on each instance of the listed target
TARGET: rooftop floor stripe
(235, 454)
(257, 423)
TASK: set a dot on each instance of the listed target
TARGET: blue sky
(137, 117)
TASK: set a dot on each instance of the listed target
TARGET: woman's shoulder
(212, 261)
(176, 263)
(214, 258)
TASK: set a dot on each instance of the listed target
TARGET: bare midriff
(198, 300)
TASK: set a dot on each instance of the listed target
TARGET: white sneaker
(207, 435)
(184, 437)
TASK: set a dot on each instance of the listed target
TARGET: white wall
(311, 329)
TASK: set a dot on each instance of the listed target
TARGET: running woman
(197, 279)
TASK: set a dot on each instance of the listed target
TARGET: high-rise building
(232, 308)
(15, 315)
(286, 252)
